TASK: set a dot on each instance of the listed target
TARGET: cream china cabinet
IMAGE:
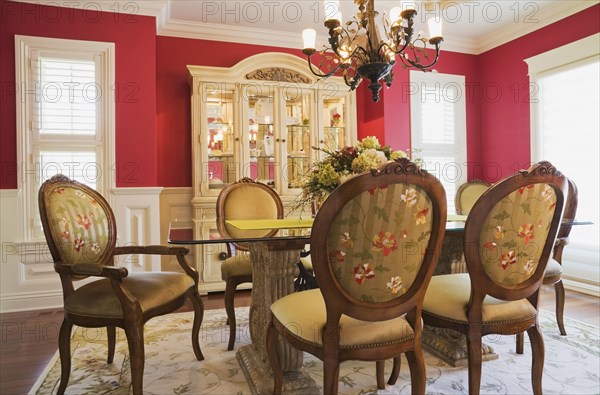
(259, 119)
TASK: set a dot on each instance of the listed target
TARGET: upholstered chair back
(510, 232)
(515, 232)
(80, 224)
(467, 195)
(247, 199)
(376, 239)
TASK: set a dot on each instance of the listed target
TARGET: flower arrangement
(339, 166)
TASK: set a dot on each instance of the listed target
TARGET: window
(65, 116)
(438, 127)
(565, 120)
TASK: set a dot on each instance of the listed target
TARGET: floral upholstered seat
(374, 244)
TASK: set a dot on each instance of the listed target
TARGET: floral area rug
(572, 364)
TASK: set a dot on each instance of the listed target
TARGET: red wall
(504, 91)
(153, 126)
(173, 97)
(135, 106)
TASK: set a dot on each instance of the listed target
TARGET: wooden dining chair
(554, 270)
(245, 199)
(80, 230)
(467, 194)
(374, 245)
(508, 238)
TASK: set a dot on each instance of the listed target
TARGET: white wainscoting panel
(175, 205)
(137, 211)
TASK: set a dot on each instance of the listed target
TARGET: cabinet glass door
(297, 136)
(260, 136)
(220, 137)
(334, 118)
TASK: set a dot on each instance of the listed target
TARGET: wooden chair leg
(395, 371)
(198, 316)
(537, 358)
(272, 337)
(64, 349)
(474, 353)
(112, 339)
(418, 375)
(559, 290)
(380, 373)
(230, 286)
(135, 341)
(331, 375)
(520, 340)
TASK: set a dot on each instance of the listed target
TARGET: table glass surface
(181, 232)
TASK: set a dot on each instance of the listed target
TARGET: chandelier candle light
(362, 50)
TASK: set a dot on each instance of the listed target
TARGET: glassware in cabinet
(335, 116)
(261, 136)
(297, 142)
(219, 126)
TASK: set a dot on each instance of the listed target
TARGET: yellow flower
(328, 177)
(370, 142)
(367, 160)
(398, 155)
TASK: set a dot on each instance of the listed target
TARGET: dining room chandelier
(360, 49)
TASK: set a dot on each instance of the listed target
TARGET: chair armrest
(90, 269)
(151, 249)
(180, 252)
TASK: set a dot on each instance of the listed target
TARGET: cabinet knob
(277, 140)
(321, 141)
(283, 140)
(237, 139)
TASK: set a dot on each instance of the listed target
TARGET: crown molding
(227, 33)
(257, 36)
(548, 15)
(137, 7)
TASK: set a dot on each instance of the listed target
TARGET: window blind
(67, 96)
(569, 116)
(438, 128)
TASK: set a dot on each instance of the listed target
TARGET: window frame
(418, 79)
(29, 140)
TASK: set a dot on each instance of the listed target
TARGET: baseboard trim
(582, 287)
(30, 301)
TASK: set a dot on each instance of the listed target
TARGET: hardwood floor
(29, 339)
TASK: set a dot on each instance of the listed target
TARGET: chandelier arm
(319, 72)
(420, 66)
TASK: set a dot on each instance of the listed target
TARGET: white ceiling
(469, 26)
